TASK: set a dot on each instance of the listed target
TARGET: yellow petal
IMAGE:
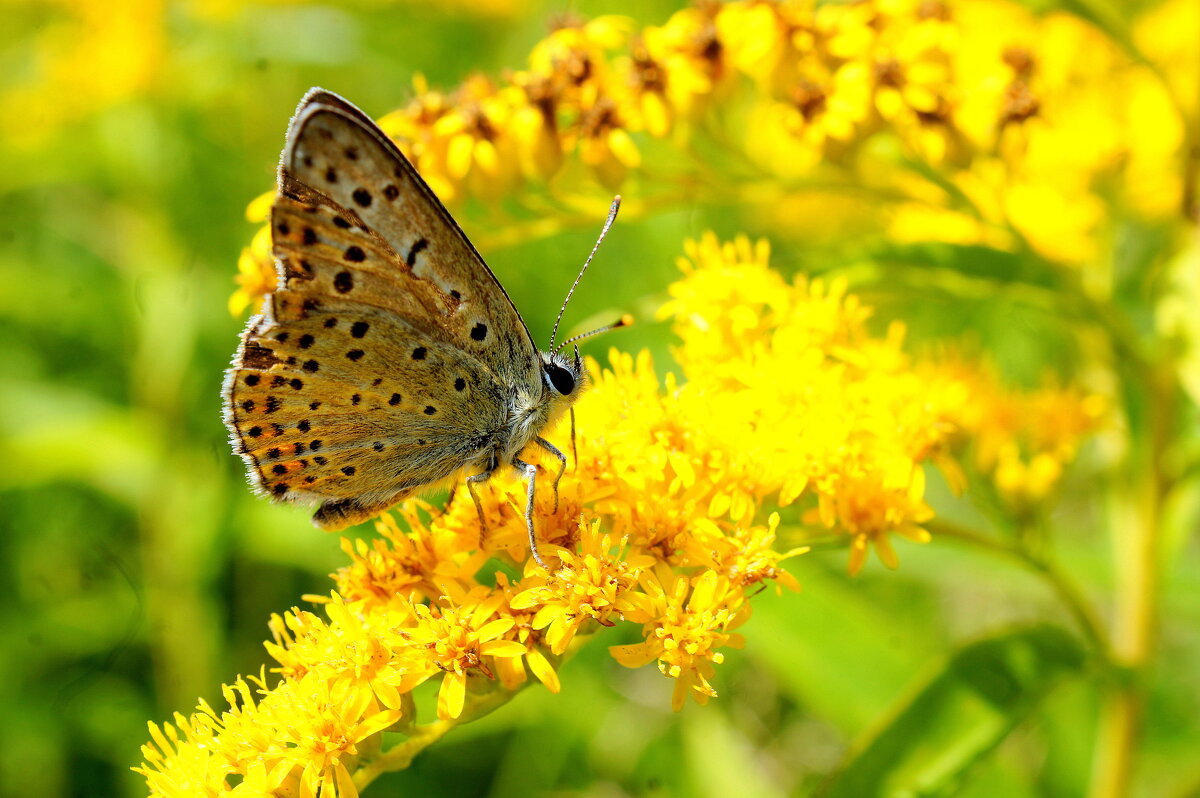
(487, 157)
(719, 505)
(622, 146)
(528, 598)
(345, 783)
(887, 554)
(260, 207)
(637, 654)
(547, 615)
(543, 670)
(378, 722)
(491, 631)
(458, 155)
(858, 554)
(656, 114)
(502, 648)
(683, 684)
(452, 695)
(915, 533)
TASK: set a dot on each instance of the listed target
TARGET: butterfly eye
(560, 379)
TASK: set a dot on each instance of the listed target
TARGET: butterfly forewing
(339, 152)
(378, 365)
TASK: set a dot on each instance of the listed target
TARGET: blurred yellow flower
(88, 57)
(256, 273)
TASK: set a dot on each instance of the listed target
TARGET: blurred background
(137, 572)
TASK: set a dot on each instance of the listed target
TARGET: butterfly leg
(562, 459)
(530, 472)
(574, 451)
(472, 481)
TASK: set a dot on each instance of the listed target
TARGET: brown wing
(382, 362)
(337, 150)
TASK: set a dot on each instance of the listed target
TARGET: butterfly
(389, 359)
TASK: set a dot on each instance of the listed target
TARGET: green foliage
(137, 571)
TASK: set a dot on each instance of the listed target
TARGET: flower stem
(420, 737)
(1063, 586)
(1136, 520)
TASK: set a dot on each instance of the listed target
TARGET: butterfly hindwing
(313, 424)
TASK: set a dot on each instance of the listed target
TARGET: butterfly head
(563, 377)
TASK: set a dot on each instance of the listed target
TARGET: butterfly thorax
(532, 409)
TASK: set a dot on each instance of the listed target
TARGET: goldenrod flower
(979, 127)
(354, 647)
(745, 557)
(605, 144)
(689, 622)
(511, 670)
(479, 152)
(456, 641)
(591, 585)
(691, 55)
(535, 101)
(421, 564)
(256, 272)
(785, 397)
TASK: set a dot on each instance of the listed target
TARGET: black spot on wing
(417, 246)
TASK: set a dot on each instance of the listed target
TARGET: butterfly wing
(337, 150)
(383, 361)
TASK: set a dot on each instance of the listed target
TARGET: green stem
(1064, 587)
(401, 756)
(420, 737)
(1136, 527)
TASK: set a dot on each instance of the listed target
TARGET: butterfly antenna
(612, 214)
(624, 321)
(574, 451)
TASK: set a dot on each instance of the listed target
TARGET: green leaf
(930, 740)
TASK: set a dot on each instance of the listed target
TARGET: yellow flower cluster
(658, 522)
(973, 121)
(811, 405)
(1022, 440)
